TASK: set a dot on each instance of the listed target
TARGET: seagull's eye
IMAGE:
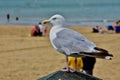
(54, 18)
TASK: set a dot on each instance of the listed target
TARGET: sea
(76, 12)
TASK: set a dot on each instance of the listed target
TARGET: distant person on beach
(115, 27)
(110, 28)
(40, 27)
(88, 64)
(8, 17)
(117, 23)
(17, 18)
(75, 63)
(36, 31)
(43, 29)
(100, 30)
(95, 29)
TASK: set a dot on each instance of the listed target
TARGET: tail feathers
(102, 55)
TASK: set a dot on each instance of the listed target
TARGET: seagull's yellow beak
(46, 21)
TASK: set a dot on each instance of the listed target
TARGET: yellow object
(75, 63)
(29, 35)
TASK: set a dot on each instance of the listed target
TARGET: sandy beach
(29, 58)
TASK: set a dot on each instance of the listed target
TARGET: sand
(29, 58)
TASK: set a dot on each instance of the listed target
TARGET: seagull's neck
(55, 29)
(58, 26)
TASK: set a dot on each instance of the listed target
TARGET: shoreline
(79, 22)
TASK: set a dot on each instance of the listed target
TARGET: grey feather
(69, 42)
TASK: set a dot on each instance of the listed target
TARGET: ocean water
(76, 12)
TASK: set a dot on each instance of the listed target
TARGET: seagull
(72, 43)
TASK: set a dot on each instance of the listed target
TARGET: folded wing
(68, 41)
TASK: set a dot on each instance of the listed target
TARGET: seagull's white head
(56, 20)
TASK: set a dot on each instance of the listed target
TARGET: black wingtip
(102, 55)
(100, 49)
(111, 55)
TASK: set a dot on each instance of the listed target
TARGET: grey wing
(68, 41)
